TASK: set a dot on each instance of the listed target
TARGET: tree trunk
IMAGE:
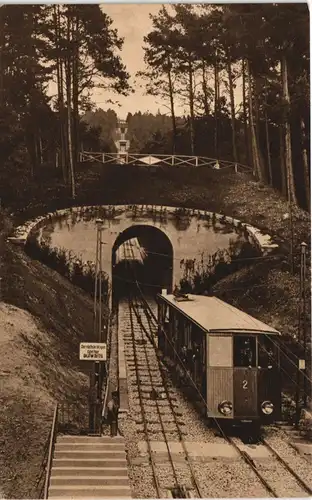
(305, 161)
(267, 138)
(63, 120)
(173, 118)
(232, 101)
(282, 160)
(257, 87)
(205, 89)
(246, 135)
(191, 102)
(68, 70)
(31, 149)
(256, 166)
(2, 42)
(216, 107)
(76, 93)
(40, 149)
(288, 154)
(60, 92)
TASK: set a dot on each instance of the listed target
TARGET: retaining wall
(263, 241)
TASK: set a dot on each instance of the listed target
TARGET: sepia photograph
(155, 251)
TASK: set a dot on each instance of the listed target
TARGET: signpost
(92, 351)
(302, 364)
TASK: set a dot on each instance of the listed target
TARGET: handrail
(43, 470)
(191, 160)
(108, 341)
(51, 449)
(105, 396)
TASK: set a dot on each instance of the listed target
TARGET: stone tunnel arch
(160, 255)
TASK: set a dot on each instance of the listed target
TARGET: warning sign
(301, 364)
(92, 351)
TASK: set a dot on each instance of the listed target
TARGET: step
(87, 481)
(89, 446)
(89, 492)
(90, 439)
(88, 462)
(95, 454)
(89, 471)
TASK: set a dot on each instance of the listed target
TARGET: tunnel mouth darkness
(153, 271)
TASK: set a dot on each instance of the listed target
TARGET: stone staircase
(89, 467)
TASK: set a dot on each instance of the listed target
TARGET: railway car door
(245, 376)
(161, 335)
(269, 382)
(219, 374)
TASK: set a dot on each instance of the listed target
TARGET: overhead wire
(272, 340)
(185, 368)
(182, 363)
(227, 290)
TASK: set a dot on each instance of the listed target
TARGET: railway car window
(266, 352)
(188, 329)
(220, 351)
(166, 315)
(244, 351)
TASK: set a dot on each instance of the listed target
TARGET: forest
(203, 56)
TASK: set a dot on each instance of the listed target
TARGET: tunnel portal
(150, 262)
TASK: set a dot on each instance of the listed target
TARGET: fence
(158, 160)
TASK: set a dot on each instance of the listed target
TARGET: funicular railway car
(231, 357)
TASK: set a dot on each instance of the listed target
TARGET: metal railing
(38, 490)
(160, 159)
(73, 417)
(51, 451)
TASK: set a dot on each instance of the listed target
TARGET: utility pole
(303, 271)
(302, 337)
(96, 373)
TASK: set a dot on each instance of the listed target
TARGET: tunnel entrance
(144, 254)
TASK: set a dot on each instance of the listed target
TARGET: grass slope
(42, 320)
(44, 317)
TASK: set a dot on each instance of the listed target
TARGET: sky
(133, 23)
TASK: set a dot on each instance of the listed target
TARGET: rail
(51, 450)
(161, 159)
(147, 309)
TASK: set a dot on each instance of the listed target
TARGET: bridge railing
(161, 159)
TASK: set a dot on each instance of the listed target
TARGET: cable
(183, 365)
(162, 285)
(297, 341)
(156, 322)
(272, 340)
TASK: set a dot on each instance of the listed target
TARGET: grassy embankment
(267, 289)
(39, 347)
(43, 318)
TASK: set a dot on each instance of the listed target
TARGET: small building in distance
(122, 144)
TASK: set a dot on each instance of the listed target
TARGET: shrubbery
(81, 274)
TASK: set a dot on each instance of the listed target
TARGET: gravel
(278, 440)
(217, 478)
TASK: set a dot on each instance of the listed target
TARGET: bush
(81, 274)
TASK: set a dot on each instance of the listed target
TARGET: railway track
(159, 416)
(277, 474)
(161, 422)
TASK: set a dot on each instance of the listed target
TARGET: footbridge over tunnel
(153, 268)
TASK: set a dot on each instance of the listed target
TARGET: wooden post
(304, 330)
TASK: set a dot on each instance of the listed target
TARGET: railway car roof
(214, 315)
